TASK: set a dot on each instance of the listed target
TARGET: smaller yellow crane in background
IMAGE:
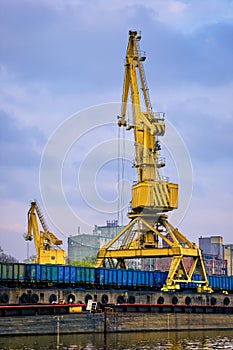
(46, 243)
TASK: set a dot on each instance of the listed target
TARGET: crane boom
(46, 243)
(149, 234)
(150, 193)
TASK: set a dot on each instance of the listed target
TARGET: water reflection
(196, 340)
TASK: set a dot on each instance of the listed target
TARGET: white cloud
(178, 14)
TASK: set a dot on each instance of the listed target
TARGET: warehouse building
(84, 246)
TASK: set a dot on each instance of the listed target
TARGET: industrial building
(228, 256)
(218, 257)
(212, 245)
(84, 246)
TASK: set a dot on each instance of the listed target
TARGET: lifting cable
(123, 178)
(120, 174)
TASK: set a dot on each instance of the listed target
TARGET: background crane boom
(46, 243)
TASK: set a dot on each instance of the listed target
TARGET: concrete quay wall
(113, 322)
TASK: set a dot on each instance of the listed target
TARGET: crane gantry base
(139, 239)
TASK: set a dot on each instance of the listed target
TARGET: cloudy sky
(59, 58)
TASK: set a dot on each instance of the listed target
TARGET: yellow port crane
(149, 234)
(46, 243)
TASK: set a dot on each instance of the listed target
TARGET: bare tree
(6, 258)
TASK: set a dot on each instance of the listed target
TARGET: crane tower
(152, 196)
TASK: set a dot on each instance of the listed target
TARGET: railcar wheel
(226, 301)
(160, 300)
(213, 301)
(34, 298)
(52, 298)
(188, 300)
(88, 297)
(174, 300)
(71, 298)
(24, 298)
(104, 299)
(120, 299)
(4, 298)
(132, 299)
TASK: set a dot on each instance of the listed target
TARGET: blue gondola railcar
(108, 277)
(18, 272)
(49, 273)
(125, 278)
(82, 274)
(130, 278)
(218, 282)
(227, 283)
(100, 276)
(112, 277)
(119, 277)
(72, 274)
(44, 275)
(211, 282)
(159, 278)
(151, 279)
(60, 274)
(85, 275)
(139, 278)
(78, 274)
(91, 275)
(12, 273)
(230, 283)
(7, 272)
(32, 273)
(135, 278)
(67, 275)
(222, 282)
(64, 274)
(143, 278)
(214, 282)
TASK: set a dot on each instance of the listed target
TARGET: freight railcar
(70, 276)
(121, 278)
(217, 282)
(42, 275)
(59, 275)
(18, 274)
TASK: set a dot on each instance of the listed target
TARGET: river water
(192, 340)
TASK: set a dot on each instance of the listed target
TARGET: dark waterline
(192, 340)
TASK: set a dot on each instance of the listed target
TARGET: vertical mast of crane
(147, 127)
